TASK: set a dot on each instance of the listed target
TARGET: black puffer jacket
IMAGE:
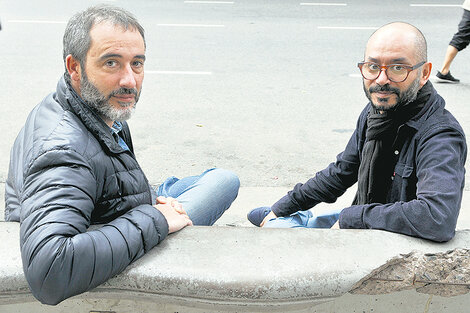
(67, 172)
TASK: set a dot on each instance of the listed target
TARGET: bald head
(403, 46)
(400, 35)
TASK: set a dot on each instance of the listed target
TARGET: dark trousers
(461, 39)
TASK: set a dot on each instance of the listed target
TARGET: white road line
(36, 22)
(323, 3)
(434, 5)
(179, 72)
(210, 2)
(190, 25)
(346, 27)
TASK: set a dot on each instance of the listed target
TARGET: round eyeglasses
(396, 73)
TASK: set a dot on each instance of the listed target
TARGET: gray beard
(100, 103)
(403, 98)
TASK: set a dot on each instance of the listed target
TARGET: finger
(173, 202)
(180, 210)
(177, 204)
(161, 200)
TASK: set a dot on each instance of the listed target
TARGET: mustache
(123, 91)
(384, 88)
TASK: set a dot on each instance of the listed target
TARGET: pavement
(268, 89)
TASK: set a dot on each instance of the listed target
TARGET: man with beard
(407, 153)
(73, 165)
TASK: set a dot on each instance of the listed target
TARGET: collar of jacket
(434, 103)
(69, 99)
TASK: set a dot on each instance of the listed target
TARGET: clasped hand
(174, 213)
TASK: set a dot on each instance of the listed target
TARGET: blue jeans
(305, 219)
(204, 197)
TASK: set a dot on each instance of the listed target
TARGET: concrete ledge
(266, 270)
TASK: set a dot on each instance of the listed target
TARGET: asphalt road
(269, 89)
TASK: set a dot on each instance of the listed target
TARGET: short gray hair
(77, 39)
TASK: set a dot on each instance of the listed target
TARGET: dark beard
(100, 102)
(403, 98)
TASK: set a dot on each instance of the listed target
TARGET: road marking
(36, 22)
(434, 5)
(179, 72)
(210, 2)
(323, 3)
(347, 27)
(191, 25)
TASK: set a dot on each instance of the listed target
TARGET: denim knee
(211, 196)
(227, 180)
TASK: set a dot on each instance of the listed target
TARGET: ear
(73, 68)
(425, 73)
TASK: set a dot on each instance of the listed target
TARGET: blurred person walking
(459, 42)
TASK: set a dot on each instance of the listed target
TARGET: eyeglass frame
(386, 67)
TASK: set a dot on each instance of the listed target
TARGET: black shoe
(448, 78)
(256, 216)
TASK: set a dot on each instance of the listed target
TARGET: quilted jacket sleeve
(62, 259)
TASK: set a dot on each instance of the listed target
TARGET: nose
(128, 78)
(383, 78)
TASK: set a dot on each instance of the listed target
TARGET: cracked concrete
(444, 274)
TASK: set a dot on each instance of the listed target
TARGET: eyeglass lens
(396, 73)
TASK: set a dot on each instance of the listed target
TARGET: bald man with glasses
(407, 153)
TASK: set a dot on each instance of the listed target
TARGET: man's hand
(271, 215)
(173, 211)
(173, 202)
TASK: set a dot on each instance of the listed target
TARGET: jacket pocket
(403, 184)
(403, 170)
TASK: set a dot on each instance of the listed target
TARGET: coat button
(396, 152)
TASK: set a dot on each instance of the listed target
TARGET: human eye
(372, 66)
(397, 68)
(138, 63)
(111, 63)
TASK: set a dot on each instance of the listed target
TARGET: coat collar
(68, 98)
